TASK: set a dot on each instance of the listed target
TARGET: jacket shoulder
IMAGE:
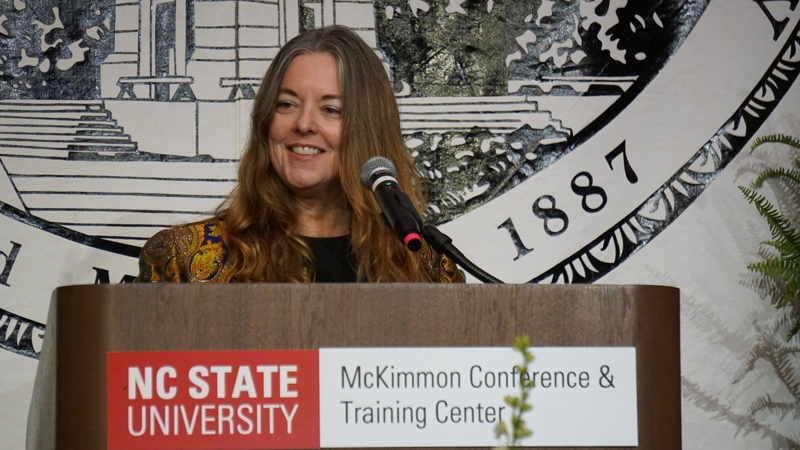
(440, 268)
(195, 252)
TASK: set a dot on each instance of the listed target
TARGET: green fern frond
(785, 239)
(790, 294)
(795, 329)
(779, 226)
(775, 268)
(780, 172)
(775, 138)
(785, 248)
(781, 270)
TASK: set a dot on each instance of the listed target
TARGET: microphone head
(374, 165)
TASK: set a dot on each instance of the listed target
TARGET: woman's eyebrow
(288, 91)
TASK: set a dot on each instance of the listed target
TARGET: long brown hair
(260, 214)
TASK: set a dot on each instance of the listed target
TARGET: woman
(299, 212)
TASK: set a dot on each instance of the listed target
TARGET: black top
(334, 261)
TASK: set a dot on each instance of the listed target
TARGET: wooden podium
(68, 410)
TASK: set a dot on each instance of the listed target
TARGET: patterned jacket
(196, 253)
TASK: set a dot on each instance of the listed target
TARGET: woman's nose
(306, 121)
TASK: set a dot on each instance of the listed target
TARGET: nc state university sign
(366, 398)
(213, 400)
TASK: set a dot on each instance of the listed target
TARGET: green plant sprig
(519, 405)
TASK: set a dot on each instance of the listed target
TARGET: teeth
(306, 150)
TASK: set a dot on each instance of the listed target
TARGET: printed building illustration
(162, 144)
(212, 50)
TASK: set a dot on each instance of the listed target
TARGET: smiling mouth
(305, 150)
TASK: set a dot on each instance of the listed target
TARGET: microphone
(379, 176)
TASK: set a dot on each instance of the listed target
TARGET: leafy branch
(785, 268)
(518, 404)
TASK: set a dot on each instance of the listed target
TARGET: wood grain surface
(69, 410)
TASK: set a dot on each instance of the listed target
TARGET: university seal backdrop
(563, 142)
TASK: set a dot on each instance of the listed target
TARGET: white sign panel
(454, 397)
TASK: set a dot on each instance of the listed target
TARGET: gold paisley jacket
(196, 253)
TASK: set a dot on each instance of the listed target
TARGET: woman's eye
(332, 110)
(284, 105)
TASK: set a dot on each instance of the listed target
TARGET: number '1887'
(593, 199)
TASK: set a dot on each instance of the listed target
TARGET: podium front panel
(85, 322)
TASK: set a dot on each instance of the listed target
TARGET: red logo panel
(213, 400)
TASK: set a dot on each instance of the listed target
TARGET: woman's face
(305, 131)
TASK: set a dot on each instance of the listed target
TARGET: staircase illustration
(52, 128)
(71, 164)
(500, 115)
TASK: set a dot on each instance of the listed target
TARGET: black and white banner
(562, 142)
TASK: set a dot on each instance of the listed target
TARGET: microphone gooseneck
(400, 214)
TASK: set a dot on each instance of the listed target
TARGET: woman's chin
(314, 189)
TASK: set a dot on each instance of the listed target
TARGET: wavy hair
(260, 213)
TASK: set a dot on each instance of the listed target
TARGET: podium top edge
(366, 286)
